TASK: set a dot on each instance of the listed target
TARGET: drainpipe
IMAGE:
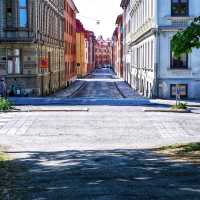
(157, 63)
(156, 49)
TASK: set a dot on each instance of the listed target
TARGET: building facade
(32, 46)
(85, 50)
(90, 42)
(103, 52)
(117, 47)
(80, 49)
(70, 12)
(150, 66)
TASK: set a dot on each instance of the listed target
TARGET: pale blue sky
(104, 10)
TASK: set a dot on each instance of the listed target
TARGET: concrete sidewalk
(68, 92)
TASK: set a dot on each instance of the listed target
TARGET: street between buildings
(102, 87)
(85, 124)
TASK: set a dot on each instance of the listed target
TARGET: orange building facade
(103, 52)
(80, 50)
(70, 12)
(85, 50)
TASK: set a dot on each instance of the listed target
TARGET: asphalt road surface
(104, 153)
(100, 84)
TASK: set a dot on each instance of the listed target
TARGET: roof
(119, 19)
(79, 26)
(73, 6)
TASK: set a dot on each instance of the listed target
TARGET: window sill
(20, 75)
(180, 18)
(13, 29)
(179, 69)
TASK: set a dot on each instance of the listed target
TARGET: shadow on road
(104, 175)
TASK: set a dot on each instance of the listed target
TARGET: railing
(16, 39)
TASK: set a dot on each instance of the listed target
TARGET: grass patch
(182, 106)
(3, 159)
(184, 152)
(5, 104)
(183, 147)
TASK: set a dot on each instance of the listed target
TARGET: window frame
(179, 15)
(13, 58)
(6, 14)
(175, 67)
(23, 8)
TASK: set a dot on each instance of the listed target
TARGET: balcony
(16, 39)
(15, 35)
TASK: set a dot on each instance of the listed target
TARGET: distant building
(103, 52)
(90, 42)
(150, 66)
(80, 49)
(32, 46)
(117, 46)
(70, 41)
(85, 55)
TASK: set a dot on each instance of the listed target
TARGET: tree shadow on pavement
(104, 175)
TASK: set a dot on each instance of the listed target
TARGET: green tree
(184, 41)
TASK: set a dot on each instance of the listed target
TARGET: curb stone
(168, 110)
(46, 110)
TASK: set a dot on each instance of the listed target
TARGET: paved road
(101, 87)
(101, 154)
(106, 175)
(103, 83)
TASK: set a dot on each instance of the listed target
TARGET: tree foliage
(184, 41)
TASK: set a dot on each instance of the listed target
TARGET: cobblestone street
(102, 83)
(99, 152)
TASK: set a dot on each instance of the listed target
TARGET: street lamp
(98, 22)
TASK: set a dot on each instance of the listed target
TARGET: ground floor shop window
(13, 59)
(182, 90)
(3, 55)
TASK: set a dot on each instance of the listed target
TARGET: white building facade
(149, 64)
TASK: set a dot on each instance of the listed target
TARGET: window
(183, 89)
(23, 18)
(9, 13)
(180, 7)
(180, 62)
(2, 55)
(13, 61)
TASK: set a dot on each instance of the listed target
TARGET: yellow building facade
(80, 54)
